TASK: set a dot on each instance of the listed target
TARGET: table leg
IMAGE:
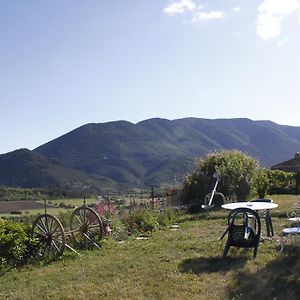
(269, 225)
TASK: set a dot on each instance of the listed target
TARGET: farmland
(13, 206)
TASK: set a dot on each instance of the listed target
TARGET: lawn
(173, 263)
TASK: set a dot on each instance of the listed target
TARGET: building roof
(292, 165)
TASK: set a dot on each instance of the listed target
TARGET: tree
(261, 182)
(235, 169)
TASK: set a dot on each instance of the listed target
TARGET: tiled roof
(292, 165)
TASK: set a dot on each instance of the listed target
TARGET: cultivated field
(24, 205)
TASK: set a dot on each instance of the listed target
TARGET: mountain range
(151, 152)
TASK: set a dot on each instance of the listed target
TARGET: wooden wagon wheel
(86, 226)
(50, 234)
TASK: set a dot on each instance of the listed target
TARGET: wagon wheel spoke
(44, 222)
(78, 219)
(41, 229)
(54, 244)
(87, 216)
(88, 219)
(50, 227)
(56, 230)
(94, 243)
(42, 225)
(94, 226)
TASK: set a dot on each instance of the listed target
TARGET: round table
(251, 205)
(294, 219)
(256, 206)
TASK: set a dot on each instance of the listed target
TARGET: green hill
(153, 151)
(24, 168)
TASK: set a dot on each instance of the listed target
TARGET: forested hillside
(153, 151)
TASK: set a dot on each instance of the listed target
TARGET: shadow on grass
(279, 279)
(212, 264)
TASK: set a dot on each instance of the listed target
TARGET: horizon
(68, 63)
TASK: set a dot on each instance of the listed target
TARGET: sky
(66, 63)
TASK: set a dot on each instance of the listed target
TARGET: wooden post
(108, 202)
(297, 182)
(152, 197)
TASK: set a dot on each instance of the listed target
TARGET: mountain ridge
(155, 150)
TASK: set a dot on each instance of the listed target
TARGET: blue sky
(65, 63)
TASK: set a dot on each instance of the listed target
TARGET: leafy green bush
(16, 245)
(140, 221)
(119, 229)
(281, 182)
(235, 168)
(274, 182)
(261, 182)
(166, 217)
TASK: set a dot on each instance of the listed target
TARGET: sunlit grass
(173, 263)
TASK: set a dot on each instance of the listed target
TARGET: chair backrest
(244, 227)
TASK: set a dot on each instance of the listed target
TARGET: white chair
(293, 231)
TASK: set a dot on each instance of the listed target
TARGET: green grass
(185, 263)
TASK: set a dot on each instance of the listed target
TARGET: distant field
(11, 206)
(72, 201)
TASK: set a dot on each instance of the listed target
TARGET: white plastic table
(256, 206)
(294, 219)
(251, 205)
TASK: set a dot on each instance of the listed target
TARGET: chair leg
(281, 243)
(227, 246)
(255, 251)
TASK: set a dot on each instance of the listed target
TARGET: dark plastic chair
(244, 229)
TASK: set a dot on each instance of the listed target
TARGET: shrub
(166, 217)
(235, 168)
(261, 182)
(119, 230)
(281, 182)
(16, 245)
(140, 221)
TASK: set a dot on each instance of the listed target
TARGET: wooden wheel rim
(85, 223)
(50, 234)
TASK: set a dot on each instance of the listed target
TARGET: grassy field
(173, 263)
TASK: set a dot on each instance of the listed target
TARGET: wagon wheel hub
(46, 238)
(84, 229)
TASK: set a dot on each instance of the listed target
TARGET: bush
(281, 182)
(166, 217)
(261, 182)
(119, 230)
(235, 168)
(140, 221)
(16, 245)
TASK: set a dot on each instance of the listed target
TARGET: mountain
(25, 168)
(153, 151)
